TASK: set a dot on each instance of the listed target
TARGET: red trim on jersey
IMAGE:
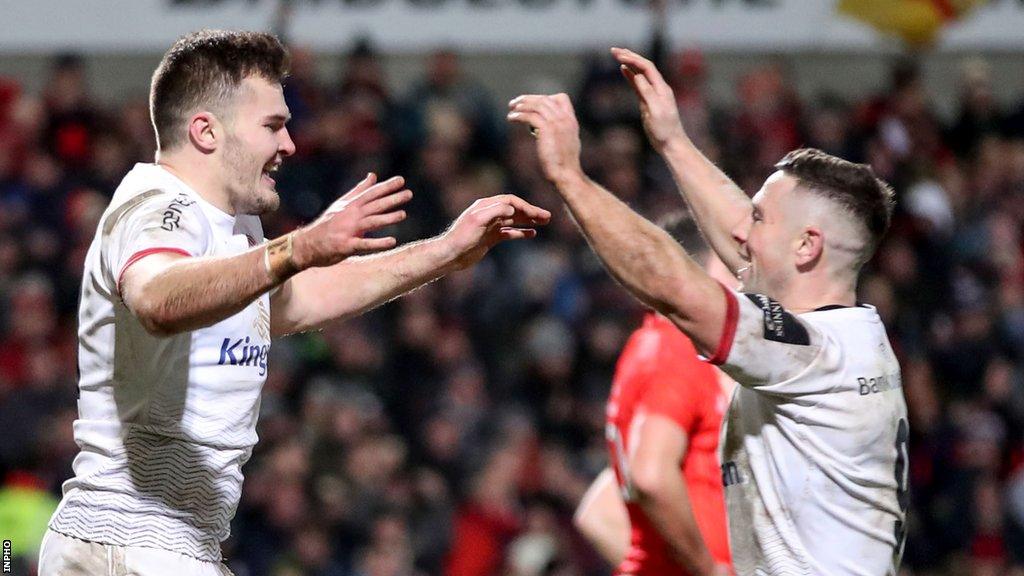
(732, 316)
(142, 254)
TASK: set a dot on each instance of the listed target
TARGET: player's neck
(808, 294)
(199, 175)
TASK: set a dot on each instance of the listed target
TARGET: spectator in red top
(72, 117)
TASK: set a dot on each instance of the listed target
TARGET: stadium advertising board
(150, 25)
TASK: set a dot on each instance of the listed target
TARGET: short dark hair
(854, 187)
(681, 226)
(204, 68)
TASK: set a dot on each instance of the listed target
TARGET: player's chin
(266, 200)
(273, 201)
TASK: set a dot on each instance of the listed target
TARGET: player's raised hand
(658, 106)
(338, 232)
(553, 122)
(489, 221)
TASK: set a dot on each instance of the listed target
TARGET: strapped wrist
(278, 258)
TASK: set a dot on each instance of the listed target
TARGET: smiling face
(769, 239)
(256, 142)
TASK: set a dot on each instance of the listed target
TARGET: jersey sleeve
(160, 222)
(767, 348)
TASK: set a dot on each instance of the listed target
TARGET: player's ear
(205, 131)
(810, 247)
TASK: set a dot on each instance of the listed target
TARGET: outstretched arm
(354, 286)
(718, 205)
(641, 256)
(320, 295)
(170, 291)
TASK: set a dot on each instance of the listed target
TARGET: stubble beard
(247, 197)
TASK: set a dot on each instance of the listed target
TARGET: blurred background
(454, 431)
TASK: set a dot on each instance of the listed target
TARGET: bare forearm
(641, 256)
(603, 520)
(193, 293)
(717, 203)
(611, 541)
(360, 284)
(668, 508)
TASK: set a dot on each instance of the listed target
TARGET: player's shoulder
(669, 337)
(144, 178)
(654, 343)
(845, 323)
(780, 325)
(673, 354)
(837, 314)
(677, 382)
(857, 333)
(639, 355)
(640, 349)
(148, 191)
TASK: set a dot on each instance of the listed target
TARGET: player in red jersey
(659, 509)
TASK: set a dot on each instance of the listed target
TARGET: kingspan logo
(241, 353)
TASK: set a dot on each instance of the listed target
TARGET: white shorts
(61, 555)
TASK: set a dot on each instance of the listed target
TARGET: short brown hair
(683, 229)
(854, 187)
(204, 68)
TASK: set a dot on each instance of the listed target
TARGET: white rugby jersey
(814, 449)
(164, 424)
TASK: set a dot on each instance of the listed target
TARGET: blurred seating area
(453, 432)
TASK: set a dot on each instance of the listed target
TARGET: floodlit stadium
(488, 376)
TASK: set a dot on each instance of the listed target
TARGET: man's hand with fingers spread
(557, 132)
(319, 295)
(658, 106)
(489, 221)
(338, 232)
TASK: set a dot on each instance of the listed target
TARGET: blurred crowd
(453, 431)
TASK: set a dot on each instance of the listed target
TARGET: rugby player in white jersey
(814, 449)
(181, 296)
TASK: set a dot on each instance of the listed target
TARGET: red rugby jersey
(660, 372)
